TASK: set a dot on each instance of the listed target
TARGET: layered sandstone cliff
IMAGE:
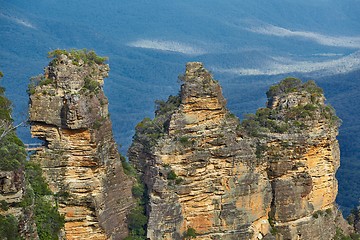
(301, 149)
(202, 173)
(272, 176)
(69, 112)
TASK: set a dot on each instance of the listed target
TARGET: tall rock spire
(210, 176)
(69, 112)
(202, 173)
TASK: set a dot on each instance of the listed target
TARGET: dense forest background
(248, 45)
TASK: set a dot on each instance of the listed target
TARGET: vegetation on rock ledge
(148, 131)
(291, 119)
(84, 55)
(291, 84)
(39, 80)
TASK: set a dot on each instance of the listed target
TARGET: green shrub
(91, 85)
(9, 228)
(339, 235)
(4, 205)
(231, 115)
(328, 211)
(171, 175)
(291, 84)
(190, 233)
(273, 229)
(311, 87)
(134, 238)
(184, 140)
(162, 107)
(138, 190)
(179, 180)
(287, 85)
(137, 221)
(318, 214)
(47, 218)
(87, 56)
(127, 167)
(329, 113)
(35, 178)
(39, 80)
(63, 195)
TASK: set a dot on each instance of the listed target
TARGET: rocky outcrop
(202, 173)
(303, 157)
(210, 176)
(69, 112)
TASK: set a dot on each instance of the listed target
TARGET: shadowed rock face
(206, 171)
(69, 112)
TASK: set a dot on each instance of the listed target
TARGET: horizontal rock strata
(68, 111)
(272, 176)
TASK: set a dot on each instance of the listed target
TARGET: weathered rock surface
(220, 188)
(206, 171)
(303, 160)
(69, 112)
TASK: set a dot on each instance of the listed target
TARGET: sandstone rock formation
(202, 173)
(69, 112)
(272, 176)
(303, 156)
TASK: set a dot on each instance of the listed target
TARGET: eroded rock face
(203, 174)
(303, 158)
(206, 171)
(68, 110)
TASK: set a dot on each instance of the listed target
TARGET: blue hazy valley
(248, 45)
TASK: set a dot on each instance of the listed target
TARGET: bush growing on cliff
(287, 85)
(138, 190)
(339, 235)
(127, 167)
(137, 221)
(190, 233)
(9, 228)
(39, 80)
(329, 113)
(263, 121)
(47, 218)
(162, 107)
(87, 56)
(91, 85)
(171, 175)
(4, 205)
(148, 130)
(290, 118)
(291, 84)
